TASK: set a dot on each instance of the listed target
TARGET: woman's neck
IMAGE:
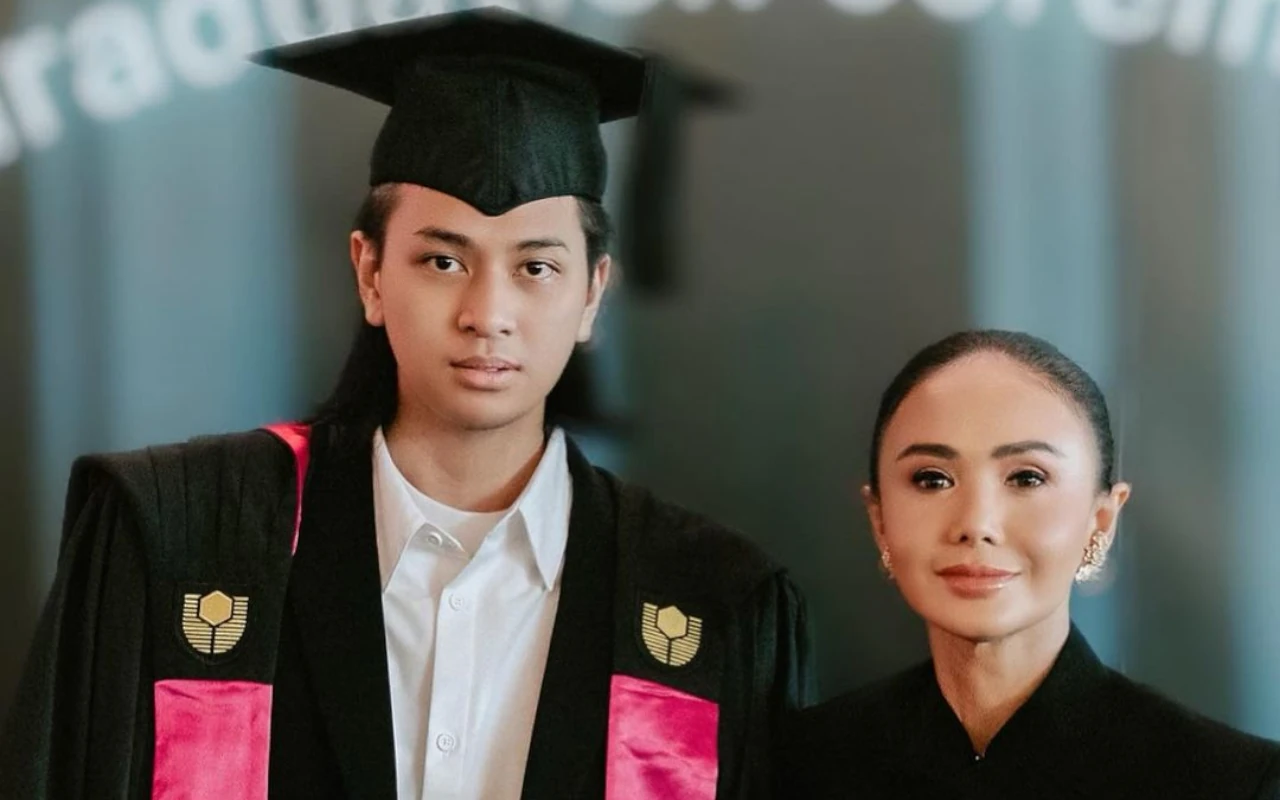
(467, 469)
(986, 682)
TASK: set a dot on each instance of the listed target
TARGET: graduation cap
(498, 110)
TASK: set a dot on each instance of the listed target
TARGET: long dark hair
(366, 394)
(1065, 376)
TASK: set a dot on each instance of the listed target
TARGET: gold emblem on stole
(670, 635)
(213, 623)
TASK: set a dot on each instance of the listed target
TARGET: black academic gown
(1087, 732)
(143, 529)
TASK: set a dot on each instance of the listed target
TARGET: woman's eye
(931, 480)
(1027, 479)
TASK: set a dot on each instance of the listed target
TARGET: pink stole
(663, 743)
(213, 738)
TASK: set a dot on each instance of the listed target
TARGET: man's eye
(442, 263)
(538, 269)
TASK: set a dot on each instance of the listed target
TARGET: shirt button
(457, 602)
(435, 539)
(446, 742)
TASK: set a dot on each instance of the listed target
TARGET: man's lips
(486, 364)
(486, 373)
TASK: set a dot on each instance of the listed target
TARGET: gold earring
(1095, 557)
(886, 563)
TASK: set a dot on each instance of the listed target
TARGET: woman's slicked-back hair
(1061, 373)
(365, 396)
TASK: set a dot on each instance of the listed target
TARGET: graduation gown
(186, 648)
(1086, 732)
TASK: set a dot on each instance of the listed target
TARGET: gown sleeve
(784, 679)
(78, 725)
(796, 684)
(1269, 786)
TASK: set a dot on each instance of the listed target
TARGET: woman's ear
(871, 501)
(1107, 513)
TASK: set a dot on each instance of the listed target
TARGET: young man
(426, 592)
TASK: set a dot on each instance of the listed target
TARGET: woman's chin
(975, 623)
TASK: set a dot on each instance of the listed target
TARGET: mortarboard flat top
(370, 61)
(487, 105)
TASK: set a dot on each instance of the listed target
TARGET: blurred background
(1103, 173)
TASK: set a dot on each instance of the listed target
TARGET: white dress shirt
(469, 600)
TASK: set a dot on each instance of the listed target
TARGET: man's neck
(985, 683)
(466, 469)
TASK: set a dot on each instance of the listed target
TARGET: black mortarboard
(498, 110)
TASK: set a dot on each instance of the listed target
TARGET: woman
(992, 489)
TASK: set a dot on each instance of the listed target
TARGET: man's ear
(367, 263)
(600, 276)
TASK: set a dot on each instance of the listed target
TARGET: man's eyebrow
(454, 238)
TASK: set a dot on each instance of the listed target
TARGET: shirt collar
(1064, 703)
(396, 517)
(1051, 721)
(541, 511)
